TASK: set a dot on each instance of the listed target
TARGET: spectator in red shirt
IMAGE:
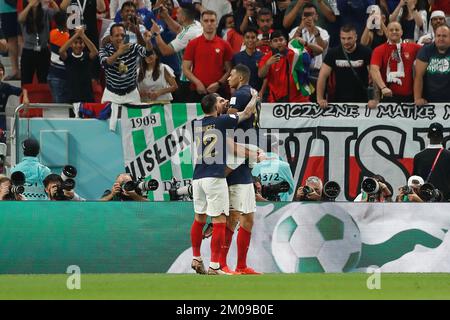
(207, 61)
(276, 66)
(391, 66)
(265, 22)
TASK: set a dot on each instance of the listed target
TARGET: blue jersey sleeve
(240, 100)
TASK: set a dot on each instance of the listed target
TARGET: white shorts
(210, 196)
(242, 198)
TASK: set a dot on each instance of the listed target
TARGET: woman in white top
(156, 80)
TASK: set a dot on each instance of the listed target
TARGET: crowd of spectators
(297, 50)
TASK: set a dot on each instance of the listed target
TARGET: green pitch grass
(268, 286)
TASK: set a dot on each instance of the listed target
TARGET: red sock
(243, 242)
(196, 237)
(225, 247)
(217, 240)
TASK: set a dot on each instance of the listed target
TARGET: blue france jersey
(240, 99)
(210, 145)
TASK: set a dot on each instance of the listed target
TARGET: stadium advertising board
(117, 237)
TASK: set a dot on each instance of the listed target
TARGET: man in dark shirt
(209, 186)
(432, 79)
(250, 57)
(350, 87)
(78, 63)
(433, 163)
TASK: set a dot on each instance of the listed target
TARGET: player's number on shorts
(208, 146)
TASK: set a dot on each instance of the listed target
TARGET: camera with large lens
(428, 193)
(59, 194)
(370, 186)
(407, 190)
(68, 175)
(140, 186)
(331, 190)
(16, 188)
(178, 193)
(272, 192)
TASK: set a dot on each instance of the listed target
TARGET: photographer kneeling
(119, 190)
(55, 190)
(311, 191)
(410, 192)
(8, 191)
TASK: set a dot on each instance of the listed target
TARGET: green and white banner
(155, 143)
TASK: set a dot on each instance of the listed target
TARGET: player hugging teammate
(210, 176)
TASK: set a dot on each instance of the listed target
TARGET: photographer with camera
(34, 171)
(375, 189)
(411, 191)
(9, 191)
(56, 189)
(311, 191)
(121, 192)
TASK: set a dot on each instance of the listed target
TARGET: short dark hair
(116, 25)
(251, 29)
(263, 12)
(243, 70)
(307, 6)
(348, 28)
(60, 19)
(188, 10)
(208, 102)
(128, 4)
(30, 147)
(52, 177)
(277, 34)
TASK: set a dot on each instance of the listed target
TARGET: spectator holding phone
(120, 60)
(131, 23)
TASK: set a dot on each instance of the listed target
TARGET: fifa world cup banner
(343, 143)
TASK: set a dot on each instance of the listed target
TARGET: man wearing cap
(34, 171)
(432, 78)
(437, 19)
(410, 192)
(433, 163)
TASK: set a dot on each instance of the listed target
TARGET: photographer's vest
(35, 174)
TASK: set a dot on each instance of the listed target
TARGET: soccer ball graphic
(316, 238)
